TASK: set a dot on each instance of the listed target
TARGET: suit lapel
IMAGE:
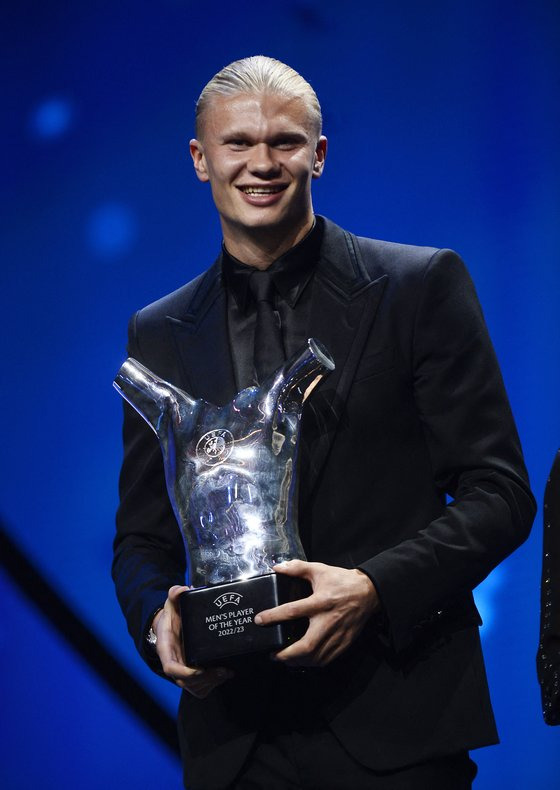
(202, 342)
(344, 304)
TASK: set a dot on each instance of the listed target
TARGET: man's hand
(169, 646)
(341, 603)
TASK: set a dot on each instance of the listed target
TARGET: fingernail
(258, 619)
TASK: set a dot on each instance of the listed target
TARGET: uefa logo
(225, 598)
(215, 446)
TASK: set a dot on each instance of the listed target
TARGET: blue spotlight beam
(38, 590)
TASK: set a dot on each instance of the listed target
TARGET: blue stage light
(112, 229)
(485, 597)
(51, 118)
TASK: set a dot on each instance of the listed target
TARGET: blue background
(443, 125)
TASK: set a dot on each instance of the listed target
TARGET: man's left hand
(342, 602)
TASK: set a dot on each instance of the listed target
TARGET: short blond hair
(259, 74)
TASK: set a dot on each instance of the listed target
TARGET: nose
(262, 161)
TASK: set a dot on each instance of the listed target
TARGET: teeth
(261, 190)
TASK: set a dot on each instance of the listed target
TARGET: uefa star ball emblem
(215, 446)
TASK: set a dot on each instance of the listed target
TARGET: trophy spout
(153, 398)
(301, 374)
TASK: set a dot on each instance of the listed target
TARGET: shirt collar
(290, 272)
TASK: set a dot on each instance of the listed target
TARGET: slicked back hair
(259, 75)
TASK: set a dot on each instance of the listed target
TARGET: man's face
(259, 153)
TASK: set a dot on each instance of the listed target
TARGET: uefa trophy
(231, 474)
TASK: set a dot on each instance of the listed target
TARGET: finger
(302, 657)
(322, 651)
(178, 670)
(318, 646)
(305, 650)
(295, 568)
(200, 685)
(305, 607)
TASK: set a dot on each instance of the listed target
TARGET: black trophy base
(218, 625)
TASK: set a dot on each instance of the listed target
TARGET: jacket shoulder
(391, 253)
(178, 302)
(404, 262)
(378, 257)
(147, 329)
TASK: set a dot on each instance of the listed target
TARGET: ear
(320, 156)
(199, 160)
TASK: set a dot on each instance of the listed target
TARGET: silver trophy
(231, 477)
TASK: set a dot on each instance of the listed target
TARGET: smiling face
(259, 152)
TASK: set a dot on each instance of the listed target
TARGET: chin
(264, 221)
(274, 218)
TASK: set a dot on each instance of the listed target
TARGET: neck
(260, 247)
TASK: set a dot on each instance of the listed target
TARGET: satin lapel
(202, 342)
(344, 303)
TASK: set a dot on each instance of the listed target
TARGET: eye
(285, 145)
(238, 144)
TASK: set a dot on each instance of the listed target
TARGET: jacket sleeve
(149, 555)
(475, 456)
(548, 656)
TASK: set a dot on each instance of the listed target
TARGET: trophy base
(218, 622)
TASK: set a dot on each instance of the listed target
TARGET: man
(387, 687)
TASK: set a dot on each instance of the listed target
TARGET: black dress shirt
(292, 274)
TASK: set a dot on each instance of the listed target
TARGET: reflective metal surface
(230, 469)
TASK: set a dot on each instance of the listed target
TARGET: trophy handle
(301, 374)
(154, 399)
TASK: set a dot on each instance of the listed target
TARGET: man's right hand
(167, 627)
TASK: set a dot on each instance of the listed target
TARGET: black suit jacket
(414, 413)
(548, 654)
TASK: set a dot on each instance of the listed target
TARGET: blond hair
(259, 74)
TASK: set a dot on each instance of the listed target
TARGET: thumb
(176, 591)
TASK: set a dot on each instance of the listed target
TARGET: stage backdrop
(443, 125)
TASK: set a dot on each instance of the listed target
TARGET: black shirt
(292, 274)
